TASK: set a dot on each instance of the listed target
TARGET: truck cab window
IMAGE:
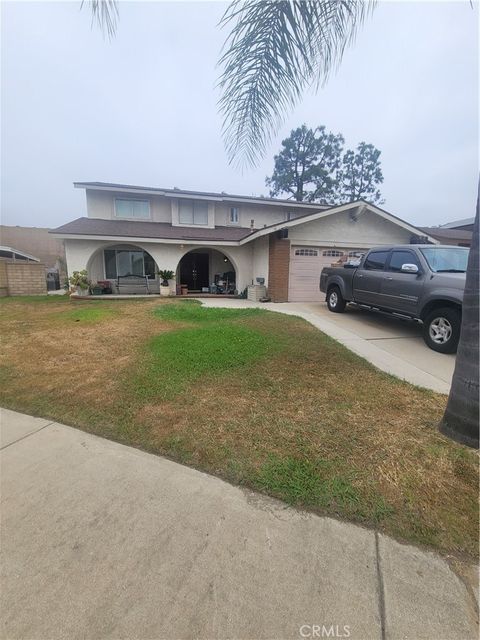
(402, 257)
(376, 260)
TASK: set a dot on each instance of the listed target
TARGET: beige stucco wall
(262, 215)
(217, 264)
(260, 259)
(341, 230)
(100, 204)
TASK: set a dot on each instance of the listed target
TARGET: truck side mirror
(409, 268)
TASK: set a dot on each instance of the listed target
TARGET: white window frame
(307, 252)
(193, 203)
(333, 253)
(149, 217)
(117, 251)
(234, 219)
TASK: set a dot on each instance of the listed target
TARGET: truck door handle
(360, 275)
(389, 278)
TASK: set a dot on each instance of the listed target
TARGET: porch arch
(107, 267)
(202, 267)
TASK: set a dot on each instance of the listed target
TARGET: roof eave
(337, 209)
(216, 197)
(132, 239)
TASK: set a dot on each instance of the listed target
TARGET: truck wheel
(335, 301)
(441, 329)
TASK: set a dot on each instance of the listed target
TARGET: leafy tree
(104, 13)
(360, 174)
(275, 50)
(305, 167)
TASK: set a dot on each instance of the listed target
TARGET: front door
(194, 271)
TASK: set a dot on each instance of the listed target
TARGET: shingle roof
(154, 230)
(465, 222)
(445, 232)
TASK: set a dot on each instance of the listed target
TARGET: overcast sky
(141, 109)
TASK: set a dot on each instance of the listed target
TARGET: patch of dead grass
(313, 402)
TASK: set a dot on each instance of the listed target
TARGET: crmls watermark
(324, 631)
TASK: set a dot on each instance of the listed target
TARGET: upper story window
(234, 217)
(192, 212)
(132, 208)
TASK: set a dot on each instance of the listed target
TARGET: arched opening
(206, 271)
(111, 261)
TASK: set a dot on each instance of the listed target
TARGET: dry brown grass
(309, 422)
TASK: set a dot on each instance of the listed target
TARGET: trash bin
(53, 280)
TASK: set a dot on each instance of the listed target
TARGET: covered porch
(206, 271)
(126, 269)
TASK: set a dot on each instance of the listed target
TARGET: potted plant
(165, 276)
(106, 286)
(96, 289)
(79, 283)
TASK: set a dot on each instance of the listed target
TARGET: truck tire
(335, 301)
(441, 329)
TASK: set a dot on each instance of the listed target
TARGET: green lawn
(261, 399)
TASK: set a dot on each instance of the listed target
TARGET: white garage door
(306, 264)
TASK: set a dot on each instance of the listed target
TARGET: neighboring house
(445, 235)
(466, 224)
(36, 241)
(458, 233)
(203, 236)
(39, 242)
(15, 255)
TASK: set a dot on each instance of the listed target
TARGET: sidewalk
(100, 540)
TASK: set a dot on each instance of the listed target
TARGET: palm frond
(275, 50)
(104, 14)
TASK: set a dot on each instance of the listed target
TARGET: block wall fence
(22, 279)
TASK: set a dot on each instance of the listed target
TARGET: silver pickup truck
(424, 282)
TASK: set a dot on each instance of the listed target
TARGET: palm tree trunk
(460, 421)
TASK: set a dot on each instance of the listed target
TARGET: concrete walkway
(100, 540)
(392, 344)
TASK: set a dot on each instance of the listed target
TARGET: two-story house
(203, 237)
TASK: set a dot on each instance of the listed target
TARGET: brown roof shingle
(153, 230)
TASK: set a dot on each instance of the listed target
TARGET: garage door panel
(305, 270)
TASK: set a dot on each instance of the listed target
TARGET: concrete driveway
(392, 344)
(396, 336)
(100, 540)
